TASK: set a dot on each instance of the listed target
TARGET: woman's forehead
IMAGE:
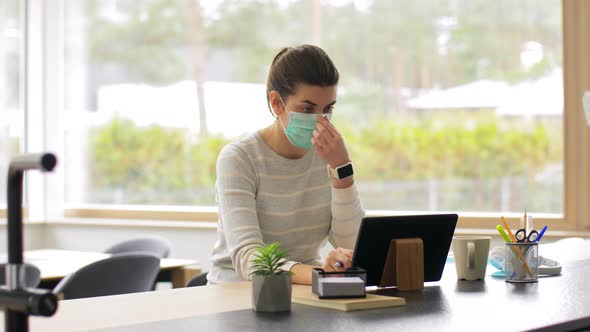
(319, 95)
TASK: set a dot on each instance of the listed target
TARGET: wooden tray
(304, 295)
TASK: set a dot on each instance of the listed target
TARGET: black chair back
(200, 280)
(119, 274)
(155, 245)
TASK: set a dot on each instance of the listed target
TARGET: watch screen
(344, 172)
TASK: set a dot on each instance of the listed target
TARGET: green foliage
(155, 165)
(415, 150)
(204, 158)
(426, 42)
(268, 260)
(137, 157)
(151, 162)
(146, 42)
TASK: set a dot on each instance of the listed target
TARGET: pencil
(512, 238)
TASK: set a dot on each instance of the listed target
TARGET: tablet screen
(376, 233)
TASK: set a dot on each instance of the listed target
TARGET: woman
(273, 185)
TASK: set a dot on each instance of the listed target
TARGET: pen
(541, 233)
(502, 233)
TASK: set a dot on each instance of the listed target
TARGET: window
(11, 111)
(456, 105)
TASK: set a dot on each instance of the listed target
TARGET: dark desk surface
(559, 303)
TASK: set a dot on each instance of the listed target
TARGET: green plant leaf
(269, 259)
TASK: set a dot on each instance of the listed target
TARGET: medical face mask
(300, 129)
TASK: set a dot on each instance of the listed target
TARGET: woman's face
(307, 99)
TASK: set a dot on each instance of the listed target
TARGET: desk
(554, 303)
(55, 264)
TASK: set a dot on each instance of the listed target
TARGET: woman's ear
(274, 100)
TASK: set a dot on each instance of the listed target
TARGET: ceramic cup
(471, 256)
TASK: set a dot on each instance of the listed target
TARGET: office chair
(200, 280)
(153, 244)
(32, 275)
(119, 274)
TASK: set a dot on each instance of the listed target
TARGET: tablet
(376, 233)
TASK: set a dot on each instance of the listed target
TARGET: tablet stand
(404, 265)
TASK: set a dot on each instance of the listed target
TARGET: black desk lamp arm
(19, 164)
(15, 300)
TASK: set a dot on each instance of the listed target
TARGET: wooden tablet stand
(404, 265)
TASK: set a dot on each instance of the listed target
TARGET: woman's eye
(307, 109)
(329, 110)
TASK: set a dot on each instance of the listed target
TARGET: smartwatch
(341, 172)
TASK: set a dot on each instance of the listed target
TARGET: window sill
(150, 212)
(113, 222)
(207, 225)
(206, 216)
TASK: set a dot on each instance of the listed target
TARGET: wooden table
(119, 310)
(553, 304)
(55, 264)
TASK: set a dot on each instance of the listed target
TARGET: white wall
(187, 242)
(190, 243)
(34, 236)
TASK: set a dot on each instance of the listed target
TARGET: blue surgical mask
(300, 128)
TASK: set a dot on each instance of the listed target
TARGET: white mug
(471, 256)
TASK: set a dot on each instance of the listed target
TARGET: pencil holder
(522, 262)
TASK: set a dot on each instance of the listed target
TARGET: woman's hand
(338, 260)
(329, 144)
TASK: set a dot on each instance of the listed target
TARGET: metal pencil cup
(522, 262)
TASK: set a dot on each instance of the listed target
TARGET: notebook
(341, 287)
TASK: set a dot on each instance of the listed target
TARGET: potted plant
(271, 286)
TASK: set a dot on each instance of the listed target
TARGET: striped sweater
(263, 197)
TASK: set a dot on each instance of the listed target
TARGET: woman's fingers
(324, 138)
(343, 260)
(323, 130)
(321, 139)
(318, 148)
(333, 149)
(339, 260)
(345, 251)
(328, 267)
(329, 126)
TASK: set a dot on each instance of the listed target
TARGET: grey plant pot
(271, 293)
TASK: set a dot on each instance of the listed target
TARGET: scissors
(521, 235)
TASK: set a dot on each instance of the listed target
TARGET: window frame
(575, 217)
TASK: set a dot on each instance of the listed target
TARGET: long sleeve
(236, 188)
(347, 213)
(263, 197)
